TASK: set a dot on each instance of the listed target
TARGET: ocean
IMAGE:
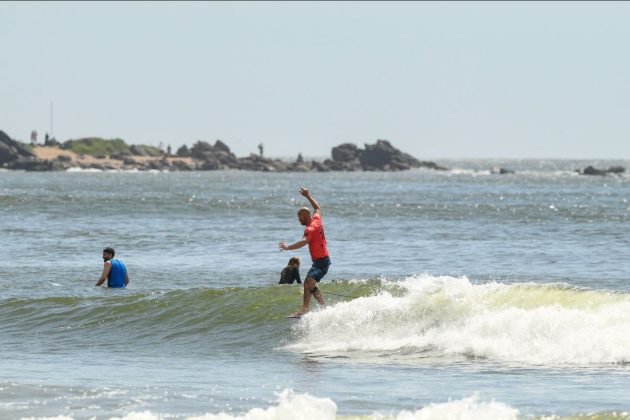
(451, 295)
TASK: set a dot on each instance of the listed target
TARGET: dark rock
(121, 155)
(211, 165)
(11, 150)
(320, 167)
(376, 156)
(98, 165)
(352, 166)
(614, 170)
(381, 156)
(258, 163)
(183, 166)
(300, 167)
(64, 158)
(215, 157)
(201, 150)
(227, 159)
(30, 164)
(589, 170)
(159, 165)
(183, 151)
(138, 150)
(129, 161)
(501, 171)
(219, 145)
(345, 152)
(60, 164)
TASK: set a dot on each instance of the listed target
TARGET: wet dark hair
(110, 251)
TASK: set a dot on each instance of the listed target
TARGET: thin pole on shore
(51, 118)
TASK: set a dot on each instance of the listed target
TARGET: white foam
(47, 418)
(144, 415)
(466, 409)
(292, 406)
(524, 323)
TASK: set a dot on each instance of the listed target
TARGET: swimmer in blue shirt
(113, 270)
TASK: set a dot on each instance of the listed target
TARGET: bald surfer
(316, 240)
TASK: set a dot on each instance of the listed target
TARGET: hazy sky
(439, 80)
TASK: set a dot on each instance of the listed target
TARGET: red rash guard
(314, 232)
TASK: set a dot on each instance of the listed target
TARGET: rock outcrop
(613, 170)
(214, 157)
(380, 156)
(501, 171)
(97, 153)
(11, 150)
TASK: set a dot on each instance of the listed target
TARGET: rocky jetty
(115, 154)
(380, 156)
(12, 151)
(613, 170)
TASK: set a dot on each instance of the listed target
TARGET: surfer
(291, 272)
(316, 240)
(113, 270)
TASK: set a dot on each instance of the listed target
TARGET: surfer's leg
(318, 296)
(309, 284)
(315, 274)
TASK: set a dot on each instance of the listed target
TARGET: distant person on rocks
(291, 272)
(316, 240)
(299, 158)
(114, 271)
(260, 149)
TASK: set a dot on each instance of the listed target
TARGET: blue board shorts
(319, 269)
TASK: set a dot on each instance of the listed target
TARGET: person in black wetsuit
(291, 272)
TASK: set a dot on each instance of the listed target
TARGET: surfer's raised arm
(306, 193)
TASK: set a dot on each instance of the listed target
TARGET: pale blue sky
(439, 80)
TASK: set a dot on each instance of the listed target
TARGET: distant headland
(116, 154)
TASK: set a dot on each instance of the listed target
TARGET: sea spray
(521, 323)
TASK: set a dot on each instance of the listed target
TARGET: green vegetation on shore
(96, 146)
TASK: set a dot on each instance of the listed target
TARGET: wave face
(524, 323)
(418, 317)
(226, 319)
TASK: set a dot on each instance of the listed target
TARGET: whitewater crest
(525, 323)
(292, 405)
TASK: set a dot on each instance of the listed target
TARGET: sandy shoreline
(81, 160)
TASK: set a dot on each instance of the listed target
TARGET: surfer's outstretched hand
(304, 191)
(282, 246)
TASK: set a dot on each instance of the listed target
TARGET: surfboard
(292, 316)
